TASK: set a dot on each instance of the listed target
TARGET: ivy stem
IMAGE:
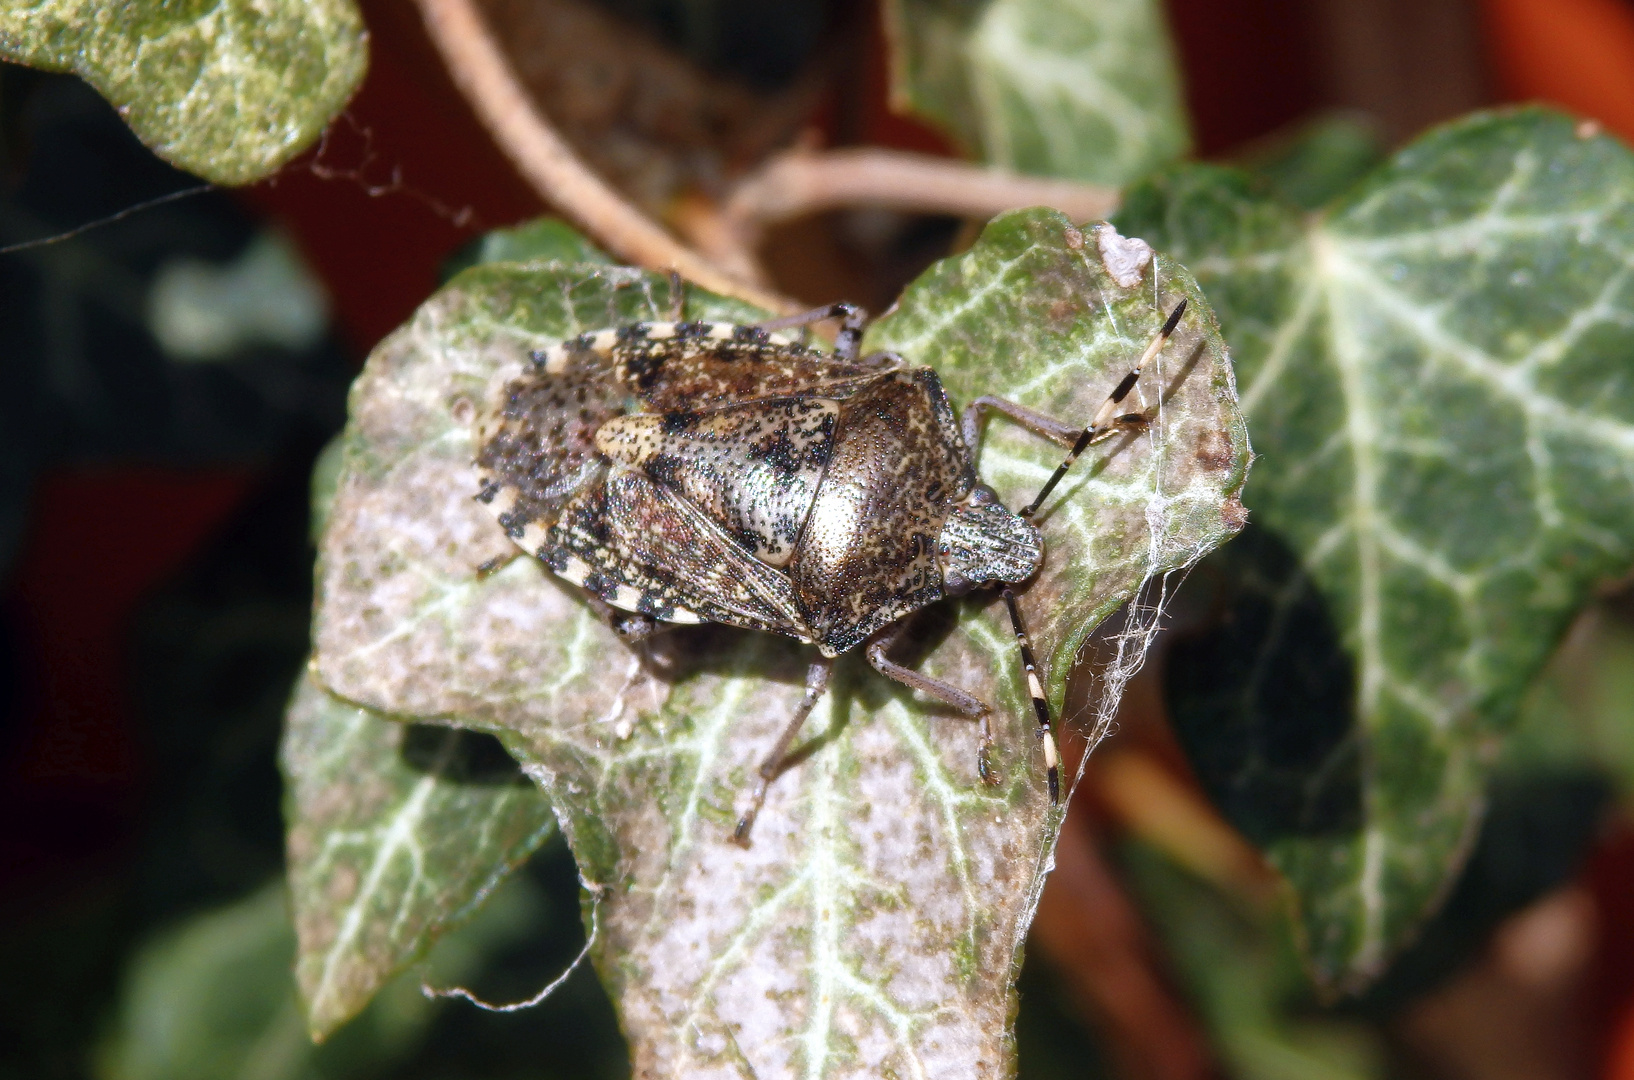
(803, 181)
(484, 75)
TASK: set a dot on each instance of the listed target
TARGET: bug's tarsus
(1041, 707)
(990, 774)
(852, 320)
(1107, 418)
(772, 764)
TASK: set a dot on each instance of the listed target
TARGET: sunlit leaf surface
(1439, 371)
(1082, 89)
(229, 90)
(874, 926)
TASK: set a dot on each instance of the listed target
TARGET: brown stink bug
(687, 472)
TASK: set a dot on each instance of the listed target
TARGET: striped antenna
(1106, 417)
(1041, 707)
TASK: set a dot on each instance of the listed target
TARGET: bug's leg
(496, 564)
(677, 296)
(971, 423)
(772, 764)
(627, 625)
(1107, 418)
(852, 320)
(967, 703)
(1041, 707)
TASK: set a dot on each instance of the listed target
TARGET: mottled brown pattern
(538, 441)
(694, 372)
(754, 468)
(638, 533)
(868, 556)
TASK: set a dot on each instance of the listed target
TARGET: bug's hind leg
(964, 702)
(852, 320)
(772, 764)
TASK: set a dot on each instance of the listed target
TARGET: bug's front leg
(1107, 418)
(1048, 427)
(965, 703)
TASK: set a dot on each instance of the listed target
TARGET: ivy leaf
(1085, 91)
(229, 90)
(214, 995)
(397, 833)
(1238, 964)
(1437, 370)
(874, 927)
(541, 239)
(1320, 160)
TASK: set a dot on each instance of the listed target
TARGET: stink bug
(687, 472)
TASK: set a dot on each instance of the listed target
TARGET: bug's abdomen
(868, 553)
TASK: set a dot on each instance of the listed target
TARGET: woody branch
(790, 185)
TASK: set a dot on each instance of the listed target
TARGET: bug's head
(982, 541)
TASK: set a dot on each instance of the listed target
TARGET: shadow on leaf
(459, 756)
(1262, 696)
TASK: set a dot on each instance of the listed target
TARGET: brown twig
(800, 182)
(484, 75)
(1161, 809)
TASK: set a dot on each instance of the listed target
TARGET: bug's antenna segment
(1106, 417)
(1041, 707)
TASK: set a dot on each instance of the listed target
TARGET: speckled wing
(643, 547)
(752, 468)
(536, 446)
(698, 365)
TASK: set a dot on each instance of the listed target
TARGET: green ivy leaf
(397, 833)
(230, 90)
(543, 239)
(1239, 965)
(875, 925)
(213, 996)
(1084, 90)
(1321, 160)
(1437, 370)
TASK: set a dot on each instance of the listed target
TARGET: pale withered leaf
(874, 926)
